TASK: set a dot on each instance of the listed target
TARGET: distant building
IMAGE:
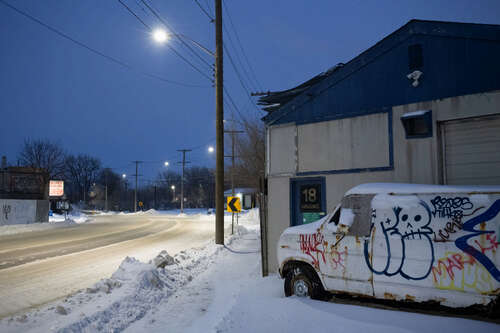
(420, 106)
(247, 196)
(23, 195)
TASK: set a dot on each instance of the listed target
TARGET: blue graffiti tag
(408, 226)
(461, 242)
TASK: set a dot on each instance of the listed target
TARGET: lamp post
(173, 192)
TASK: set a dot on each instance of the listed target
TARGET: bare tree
(45, 154)
(250, 152)
(82, 172)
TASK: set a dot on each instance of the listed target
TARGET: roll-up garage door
(471, 150)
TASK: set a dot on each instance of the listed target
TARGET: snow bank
(55, 221)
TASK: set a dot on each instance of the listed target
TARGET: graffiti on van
(450, 207)
(475, 249)
(404, 233)
(313, 246)
(461, 272)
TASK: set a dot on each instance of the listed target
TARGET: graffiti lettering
(6, 209)
(461, 272)
(450, 228)
(313, 246)
(480, 255)
(450, 207)
(408, 226)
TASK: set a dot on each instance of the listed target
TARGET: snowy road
(39, 267)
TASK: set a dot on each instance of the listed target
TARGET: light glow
(211, 149)
(160, 35)
(166, 163)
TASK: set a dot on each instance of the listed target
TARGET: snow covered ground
(77, 217)
(55, 221)
(215, 289)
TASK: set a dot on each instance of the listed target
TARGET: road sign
(141, 204)
(233, 204)
(56, 188)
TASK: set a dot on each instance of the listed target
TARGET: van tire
(299, 278)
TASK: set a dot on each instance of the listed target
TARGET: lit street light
(211, 149)
(124, 176)
(160, 35)
(166, 164)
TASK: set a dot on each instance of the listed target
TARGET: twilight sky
(52, 88)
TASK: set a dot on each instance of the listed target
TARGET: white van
(400, 242)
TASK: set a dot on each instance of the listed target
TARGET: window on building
(417, 124)
(415, 57)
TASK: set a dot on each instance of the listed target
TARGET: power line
(133, 13)
(155, 13)
(241, 46)
(238, 58)
(240, 78)
(93, 50)
(204, 11)
(168, 45)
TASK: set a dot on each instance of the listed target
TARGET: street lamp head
(172, 187)
(166, 163)
(160, 35)
(211, 149)
(124, 176)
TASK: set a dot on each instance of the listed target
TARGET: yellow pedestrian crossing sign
(233, 204)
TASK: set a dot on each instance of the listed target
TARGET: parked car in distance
(396, 241)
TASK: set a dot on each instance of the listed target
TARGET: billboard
(56, 188)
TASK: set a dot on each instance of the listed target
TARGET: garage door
(471, 151)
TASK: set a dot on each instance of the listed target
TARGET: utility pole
(106, 192)
(232, 132)
(182, 177)
(155, 196)
(219, 127)
(136, 175)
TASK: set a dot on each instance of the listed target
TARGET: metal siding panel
(452, 67)
(345, 144)
(282, 149)
(472, 151)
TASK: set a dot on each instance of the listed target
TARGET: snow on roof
(402, 188)
(415, 113)
(242, 190)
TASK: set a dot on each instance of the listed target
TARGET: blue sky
(52, 88)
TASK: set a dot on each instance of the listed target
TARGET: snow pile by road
(215, 289)
(74, 216)
(55, 221)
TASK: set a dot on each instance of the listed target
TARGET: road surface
(40, 267)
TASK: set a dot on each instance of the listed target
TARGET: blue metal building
(420, 106)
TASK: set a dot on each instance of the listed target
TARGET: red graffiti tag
(454, 261)
(312, 245)
(493, 244)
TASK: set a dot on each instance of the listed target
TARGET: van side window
(336, 217)
(361, 207)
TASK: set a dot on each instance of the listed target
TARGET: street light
(211, 149)
(124, 176)
(166, 164)
(160, 35)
